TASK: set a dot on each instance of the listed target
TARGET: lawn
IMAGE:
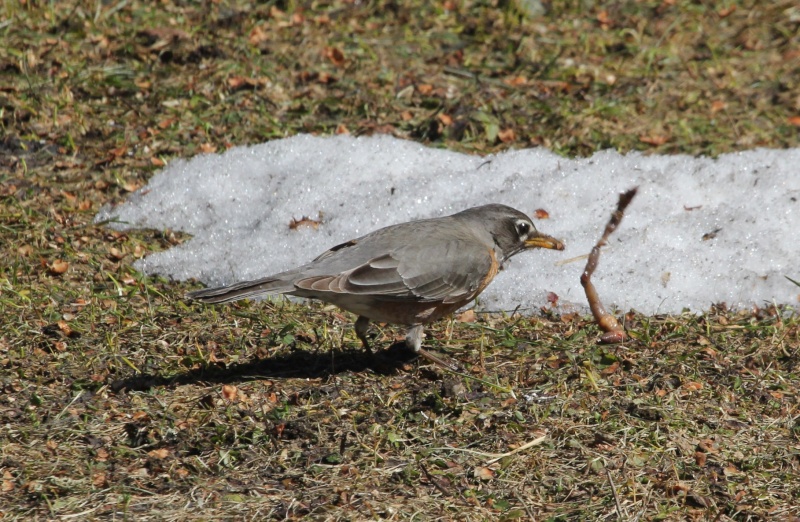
(119, 399)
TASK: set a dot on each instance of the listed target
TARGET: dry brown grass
(119, 400)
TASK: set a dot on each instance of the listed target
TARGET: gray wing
(449, 271)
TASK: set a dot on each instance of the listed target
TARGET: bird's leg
(362, 326)
(414, 338)
(414, 341)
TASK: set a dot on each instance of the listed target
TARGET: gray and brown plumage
(410, 274)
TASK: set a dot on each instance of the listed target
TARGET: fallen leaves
(305, 221)
(161, 453)
(335, 55)
(467, 316)
(238, 83)
(654, 139)
(507, 135)
(229, 392)
(483, 473)
(58, 267)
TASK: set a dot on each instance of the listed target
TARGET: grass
(120, 400)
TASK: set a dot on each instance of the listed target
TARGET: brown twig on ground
(608, 323)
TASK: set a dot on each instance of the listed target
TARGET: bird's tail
(259, 287)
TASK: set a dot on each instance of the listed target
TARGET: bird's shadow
(297, 364)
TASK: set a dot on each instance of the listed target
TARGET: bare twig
(607, 322)
(616, 497)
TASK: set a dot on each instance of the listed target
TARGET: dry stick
(616, 497)
(494, 457)
(607, 322)
(530, 444)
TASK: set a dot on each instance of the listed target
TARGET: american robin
(411, 274)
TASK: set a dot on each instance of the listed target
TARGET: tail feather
(243, 290)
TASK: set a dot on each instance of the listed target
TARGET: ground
(121, 400)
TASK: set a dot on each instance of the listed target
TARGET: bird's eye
(523, 228)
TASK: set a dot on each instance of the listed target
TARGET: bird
(411, 273)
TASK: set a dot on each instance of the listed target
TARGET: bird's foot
(414, 341)
(439, 362)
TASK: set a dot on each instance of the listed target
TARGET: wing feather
(451, 271)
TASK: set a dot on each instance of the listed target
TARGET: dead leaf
(166, 123)
(708, 446)
(482, 473)
(700, 458)
(610, 369)
(604, 19)
(66, 329)
(305, 221)
(164, 33)
(238, 83)
(131, 186)
(709, 352)
(467, 316)
(730, 470)
(541, 213)
(654, 139)
(325, 78)
(58, 267)
(516, 81)
(336, 56)
(257, 35)
(159, 453)
(675, 489)
(229, 391)
(99, 479)
(692, 386)
(507, 135)
(794, 120)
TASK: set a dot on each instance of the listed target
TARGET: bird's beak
(543, 241)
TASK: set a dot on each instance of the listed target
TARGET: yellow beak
(543, 241)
